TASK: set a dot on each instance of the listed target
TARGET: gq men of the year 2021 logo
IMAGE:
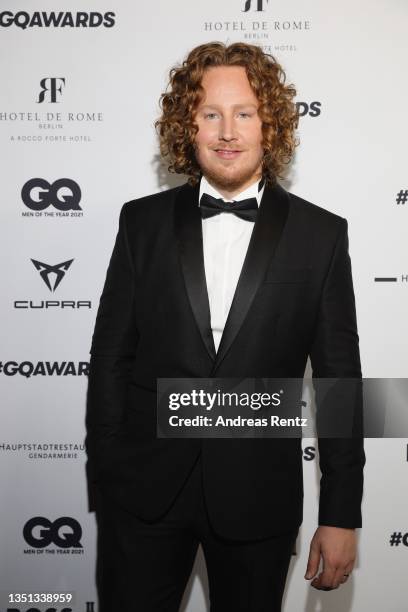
(52, 276)
(56, 537)
(58, 199)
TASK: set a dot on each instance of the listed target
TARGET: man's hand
(338, 548)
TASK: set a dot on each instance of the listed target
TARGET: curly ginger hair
(279, 115)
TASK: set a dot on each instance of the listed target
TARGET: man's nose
(227, 129)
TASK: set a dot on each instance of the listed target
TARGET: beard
(230, 180)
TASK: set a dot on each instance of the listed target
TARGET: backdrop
(79, 95)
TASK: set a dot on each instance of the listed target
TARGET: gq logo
(49, 533)
(39, 194)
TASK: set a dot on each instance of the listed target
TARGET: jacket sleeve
(335, 354)
(113, 348)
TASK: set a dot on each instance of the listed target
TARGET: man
(228, 275)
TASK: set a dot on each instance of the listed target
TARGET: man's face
(228, 144)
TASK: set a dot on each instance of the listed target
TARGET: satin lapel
(272, 214)
(188, 228)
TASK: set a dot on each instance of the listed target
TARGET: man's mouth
(228, 153)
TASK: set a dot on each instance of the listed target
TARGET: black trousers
(145, 567)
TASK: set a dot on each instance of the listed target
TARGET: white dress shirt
(225, 242)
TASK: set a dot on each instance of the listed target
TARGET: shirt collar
(249, 192)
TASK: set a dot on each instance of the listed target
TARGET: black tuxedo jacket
(294, 298)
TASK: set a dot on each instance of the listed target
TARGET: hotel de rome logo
(48, 118)
(254, 21)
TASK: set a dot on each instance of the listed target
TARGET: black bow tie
(244, 209)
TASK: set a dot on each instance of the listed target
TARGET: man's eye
(210, 115)
(244, 115)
